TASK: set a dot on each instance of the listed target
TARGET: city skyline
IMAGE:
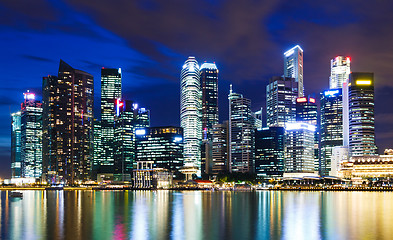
(248, 71)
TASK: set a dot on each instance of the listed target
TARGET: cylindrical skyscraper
(190, 112)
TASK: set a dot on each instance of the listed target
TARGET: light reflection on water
(196, 215)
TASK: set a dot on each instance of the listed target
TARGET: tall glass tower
(190, 113)
(281, 94)
(241, 133)
(110, 91)
(16, 160)
(340, 68)
(209, 87)
(31, 136)
(361, 114)
(331, 126)
(293, 66)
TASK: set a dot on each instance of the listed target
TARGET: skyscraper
(68, 120)
(361, 114)
(241, 133)
(293, 67)
(190, 113)
(299, 149)
(209, 88)
(16, 159)
(31, 136)
(340, 68)
(281, 94)
(97, 148)
(269, 152)
(331, 126)
(162, 145)
(110, 91)
(129, 117)
(220, 148)
(307, 111)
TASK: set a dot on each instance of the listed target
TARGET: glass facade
(331, 126)
(299, 148)
(128, 118)
(361, 114)
(307, 111)
(269, 152)
(241, 133)
(110, 91)
(161, 145)
(31, 136)
(293, 67)
(220, 148)
(190, 113)
(281, 94)
(340, 68)
(209, 88)
(16, 159)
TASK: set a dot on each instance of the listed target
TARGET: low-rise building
(363, 167)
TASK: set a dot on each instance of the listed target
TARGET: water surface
(196, 215)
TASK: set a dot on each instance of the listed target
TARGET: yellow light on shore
(363, 82)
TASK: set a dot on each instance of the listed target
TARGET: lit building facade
(220, 148)
(331, 130)
(340, 68)
(31, 136)
(281, 94)
(68, 102)
(16, 159)
(307, 111)
(269, 152)
(293, 67)
(161, 145)
(129, 117)
(97, 148)
(190, 113)
(241, 133)
(110, 92)
(299, 149)
(363, 167)
(361, 114)
(209, 88)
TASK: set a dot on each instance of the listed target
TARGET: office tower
(68, 102)
(269, 152)
(258, 119)
(293, 67)
(299, 149)
(190, 113)
(128, 118)
(340, 68)
(162, 145)
(220, 148)
(31, 136)
(241, 133)
(97, 148)
(16, 159)
(110, 91)
(307, 111)
(281, 94)
(209, 88)
(331, 126)
(361, 114)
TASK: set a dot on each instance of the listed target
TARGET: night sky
(150, 40)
